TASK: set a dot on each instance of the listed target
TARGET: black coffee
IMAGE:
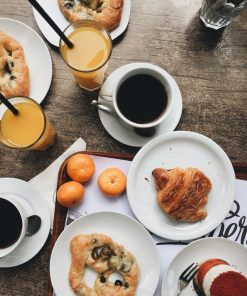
(10, 223)
(142, 98)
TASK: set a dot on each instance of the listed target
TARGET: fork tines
(189, 272)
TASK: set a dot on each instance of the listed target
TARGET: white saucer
(37, 56)
(120, 131)
(51, 7)
(34, 204)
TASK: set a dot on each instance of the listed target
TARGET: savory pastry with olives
(14, 73)
(102, 254)
(106, 12)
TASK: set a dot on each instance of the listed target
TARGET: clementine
(80, 167)
(112, 181)
(70, 193)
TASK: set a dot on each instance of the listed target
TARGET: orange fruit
(112, 181)
(70, 193)
(80, 167)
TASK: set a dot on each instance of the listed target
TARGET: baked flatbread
(106, 12)
(102, 254)
(14, 73)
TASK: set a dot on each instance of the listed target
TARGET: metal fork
(186, 276)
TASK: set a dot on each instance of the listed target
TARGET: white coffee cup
(151, 70)
(12, 202)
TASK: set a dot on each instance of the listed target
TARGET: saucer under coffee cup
(142, 98)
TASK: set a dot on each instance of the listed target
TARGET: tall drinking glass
(30, 129)
(219, 13)
(89, 58)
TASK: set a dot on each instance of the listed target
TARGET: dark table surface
(210, 68)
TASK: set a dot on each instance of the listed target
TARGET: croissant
(182, 193)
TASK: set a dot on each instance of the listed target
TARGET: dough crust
(182, 193)
(106, 12)
(102, 254)
(14, 73)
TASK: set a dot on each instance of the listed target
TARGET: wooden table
(210, 68)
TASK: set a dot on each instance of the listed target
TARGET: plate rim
(178, 103)
(50, 73)
(198, 241)
(30, 254)
(166, 137)
(116, 35)
(133, 220)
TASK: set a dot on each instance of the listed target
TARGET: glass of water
(219, 13)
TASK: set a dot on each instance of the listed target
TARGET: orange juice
(29, 129)
(88, 59)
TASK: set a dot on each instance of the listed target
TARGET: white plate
(34, 204)
(51, 7)
(122, 229)
(180, 149)
(120, 131)
(37, 56)
(198, 251)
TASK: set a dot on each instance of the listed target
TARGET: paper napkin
(46, 181)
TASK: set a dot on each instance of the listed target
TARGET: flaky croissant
(182, 193)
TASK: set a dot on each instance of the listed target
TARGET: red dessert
(216, 277)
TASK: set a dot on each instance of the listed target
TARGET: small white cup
(151, 70)
(24, 218)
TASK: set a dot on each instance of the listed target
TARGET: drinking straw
(236, 2)
(54, 26)
(8, 105)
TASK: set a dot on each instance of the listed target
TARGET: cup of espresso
(13, 224)
(142, 98)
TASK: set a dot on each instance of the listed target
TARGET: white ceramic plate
(122, 229)
(126, 135)
(37, 56)
(180, 149)
(198, 251)
(34, 204)
(51, 7)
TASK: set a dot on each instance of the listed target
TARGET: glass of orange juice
(89, 58)
(30, 129)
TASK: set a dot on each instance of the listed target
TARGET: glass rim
(43, 130)
(99, 26)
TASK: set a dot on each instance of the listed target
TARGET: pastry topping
(118, 283)
(100, 252)
(106, 251)
(69, 4)
(102, 279)
(126, 285)
(95, 254)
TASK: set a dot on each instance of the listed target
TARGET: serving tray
(60, 212)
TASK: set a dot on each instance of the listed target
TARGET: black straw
(235, 2)
(8, 105)
(36, 5)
